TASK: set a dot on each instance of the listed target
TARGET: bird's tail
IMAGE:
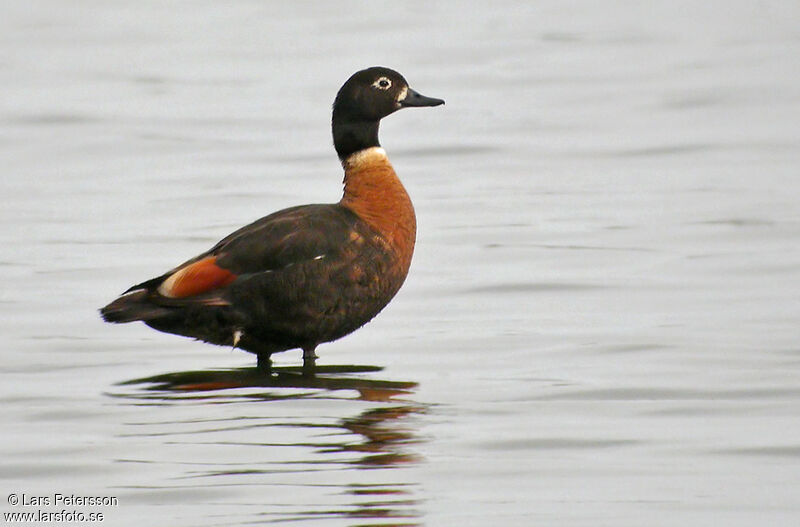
(131, 307)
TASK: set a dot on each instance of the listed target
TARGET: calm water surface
(600, 326)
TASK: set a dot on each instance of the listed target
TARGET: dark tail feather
(131, 307)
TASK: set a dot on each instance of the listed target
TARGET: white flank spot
(320, 257)
(237, 336)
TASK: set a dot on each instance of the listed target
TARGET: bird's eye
(382, 84)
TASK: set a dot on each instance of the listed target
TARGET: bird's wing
(278, 241)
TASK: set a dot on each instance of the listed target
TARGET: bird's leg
(309, 361)
(265, 363)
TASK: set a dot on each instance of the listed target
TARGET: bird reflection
(383, 428)
(327, 378)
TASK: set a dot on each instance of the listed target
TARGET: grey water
(600, 326)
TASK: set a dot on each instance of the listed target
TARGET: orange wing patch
(198, 277)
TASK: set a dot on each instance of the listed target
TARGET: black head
(368, 96)
(374, 93)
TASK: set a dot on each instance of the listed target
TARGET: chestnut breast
(375, 194)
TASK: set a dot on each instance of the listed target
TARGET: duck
(308, 274)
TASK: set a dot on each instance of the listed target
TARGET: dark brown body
(296, 278)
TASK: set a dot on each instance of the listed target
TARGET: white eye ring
(382, 84)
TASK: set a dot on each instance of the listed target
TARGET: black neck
(350, 136)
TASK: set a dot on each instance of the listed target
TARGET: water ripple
(299, 440)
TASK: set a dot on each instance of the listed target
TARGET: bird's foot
(265, 363)
(309, 362)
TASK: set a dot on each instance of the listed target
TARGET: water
(600, 326)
